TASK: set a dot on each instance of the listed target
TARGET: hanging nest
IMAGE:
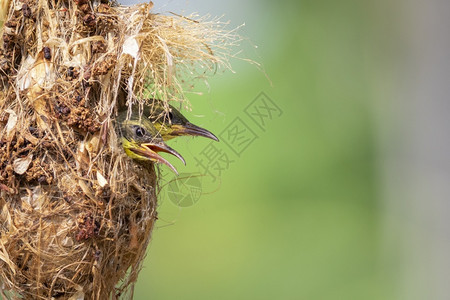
(76, 213)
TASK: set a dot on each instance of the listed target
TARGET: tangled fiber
(76, 214)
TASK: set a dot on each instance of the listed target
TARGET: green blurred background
(296, 216)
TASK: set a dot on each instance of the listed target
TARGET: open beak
(150, 151)
(161, 147)
(193, 130)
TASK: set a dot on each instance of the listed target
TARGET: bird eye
(140, 132)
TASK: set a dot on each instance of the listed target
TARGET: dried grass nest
(76, 214)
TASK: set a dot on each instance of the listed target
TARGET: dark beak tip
(212, 137)
(194, 130)
(162, 160)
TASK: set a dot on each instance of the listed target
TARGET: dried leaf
(12, 121)
(21, 165)
(37, 71)
(35, 199)
(86, 189)
(93, 144)
(131, 47)
(23, 76)
(40, 107)
(102, 182)
(67, 242)
(83, 155)
(39, 104)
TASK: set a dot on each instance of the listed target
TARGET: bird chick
(141, 140)
(172, 123)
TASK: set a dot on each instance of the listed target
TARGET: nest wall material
(76, 214)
